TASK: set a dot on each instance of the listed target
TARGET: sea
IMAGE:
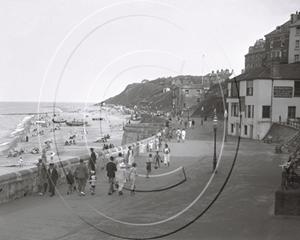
(15, 115)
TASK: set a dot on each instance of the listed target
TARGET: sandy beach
(111, 124)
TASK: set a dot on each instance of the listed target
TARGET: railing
(293, 124)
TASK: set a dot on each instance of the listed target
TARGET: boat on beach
(59, 121)
(76, 123)
(97, 119)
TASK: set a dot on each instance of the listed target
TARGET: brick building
(256, 56)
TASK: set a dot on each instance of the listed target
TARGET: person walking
(93, 181)
(81, 175)
(41, 177)
(178, 134)
(132, 177)
(167, 152)
(193, 123)
(121, 177)
(183, 133)
(52, 178)
(185, 123)
(157, 160)
(148, 164)
(70, 181)
(111, 173)
(119, 160)
(130, 155)
(92, 161)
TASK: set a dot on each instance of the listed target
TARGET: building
(261, 96)
(294, 38)
(186, 95)
(256, 56)
(283, 43)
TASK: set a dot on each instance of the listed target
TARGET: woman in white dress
(130, 156)
(167, 155)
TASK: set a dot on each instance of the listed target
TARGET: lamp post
(215, 126)
(202, 109)
(225, 115)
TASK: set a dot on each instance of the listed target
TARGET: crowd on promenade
(119, 170)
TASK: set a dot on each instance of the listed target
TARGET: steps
(281, 133)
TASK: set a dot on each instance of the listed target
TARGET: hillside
(152, 91)
(136, 92)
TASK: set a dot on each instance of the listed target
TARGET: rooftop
(286, 71)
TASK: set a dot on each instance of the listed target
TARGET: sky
(90, 50)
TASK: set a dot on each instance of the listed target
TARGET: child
(21, 162)
(93, 181)
(150, 146)
(148, 164)
(132, 177)
(70, 181)
(157, 160)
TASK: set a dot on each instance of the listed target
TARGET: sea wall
(134, 132)
(23, 183)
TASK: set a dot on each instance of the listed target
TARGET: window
(298, 30)
(297, 58)
(249, 111)
(297, 44)
(187, 92)
(232, 127)
(198, 92)
(252, 111)
(266, 111)
(250, 88)
(297, 89)
(272, 54)
(245, 130)
(234, 110)
(184, 105)
(291, 112)
(271, 44)
(268, 55)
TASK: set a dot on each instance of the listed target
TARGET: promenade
(235, 203)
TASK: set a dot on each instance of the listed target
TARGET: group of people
(157, 160)
(180, 134)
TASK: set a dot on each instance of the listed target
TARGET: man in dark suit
(92, 160)
(41, 177)
(52, 178)
(111, 174)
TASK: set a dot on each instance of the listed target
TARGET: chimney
(275, 68)
(294, 18)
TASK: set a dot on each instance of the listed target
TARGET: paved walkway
(235, 203)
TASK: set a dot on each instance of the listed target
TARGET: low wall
(287, 202)
(135, 131)
(23, 183)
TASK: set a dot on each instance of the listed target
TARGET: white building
(261, 96)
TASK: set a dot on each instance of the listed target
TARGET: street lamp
(225, 115)
(215, 126)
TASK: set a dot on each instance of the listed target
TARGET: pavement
(237, 202)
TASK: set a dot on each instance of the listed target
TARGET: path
(243, 209)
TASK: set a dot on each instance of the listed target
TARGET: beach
(84, 136)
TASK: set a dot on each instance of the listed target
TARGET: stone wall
(139, 131)
(23, 183)
(287, 202)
